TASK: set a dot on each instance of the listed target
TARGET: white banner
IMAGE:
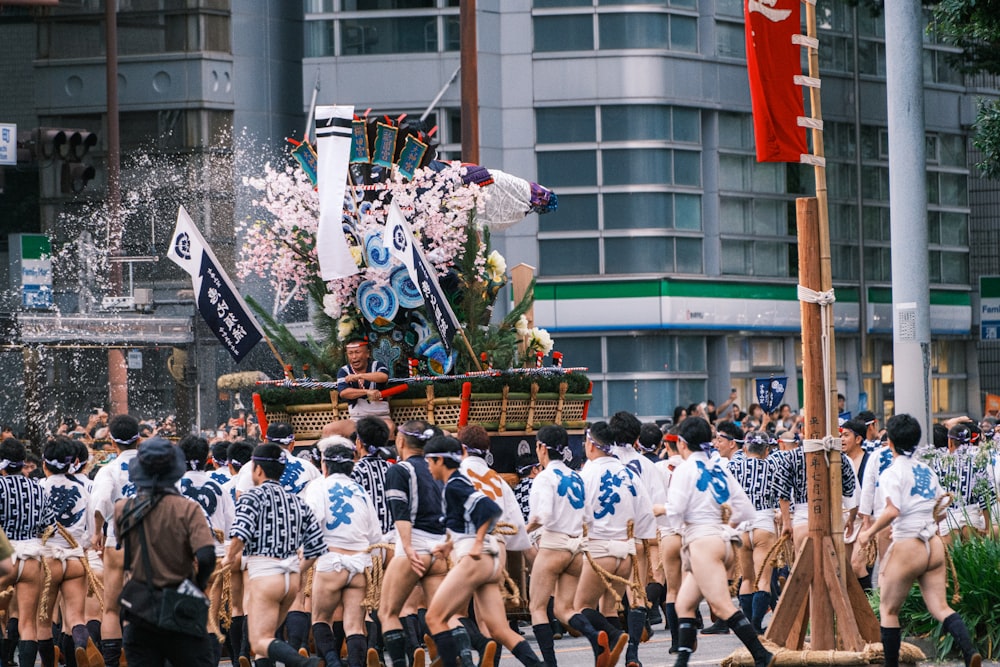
(333, 143)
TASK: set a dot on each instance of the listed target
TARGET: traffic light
(47, 143)
(61, 143)
(79, 142)
(75, 177)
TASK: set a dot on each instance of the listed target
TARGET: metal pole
(437, 98)
(312, 110)
(470, 82)
(117, 370)
(911, 335)
(859, 184)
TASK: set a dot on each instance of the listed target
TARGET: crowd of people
(386, 544)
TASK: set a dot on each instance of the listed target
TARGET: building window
(352, 28)
(590, 29)
(630, 181)
(645, 373)
(143, 29)
(756, 205)
(730, 40)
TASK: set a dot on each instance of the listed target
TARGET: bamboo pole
(822, 208)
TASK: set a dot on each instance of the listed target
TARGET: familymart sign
(989, 307)
(31, 270)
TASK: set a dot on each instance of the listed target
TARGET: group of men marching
(382, 548)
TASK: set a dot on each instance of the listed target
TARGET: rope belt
(610, 579)
(774, 559)
(95, 588)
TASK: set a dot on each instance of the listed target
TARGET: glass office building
(670, 268)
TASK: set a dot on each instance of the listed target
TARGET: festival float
(389, 244)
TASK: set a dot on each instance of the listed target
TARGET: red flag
(773, 62)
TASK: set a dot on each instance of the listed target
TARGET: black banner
(435, 301)
(224, 313)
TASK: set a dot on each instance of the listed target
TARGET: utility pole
(117, 370)
(911, 331)
(470, 81)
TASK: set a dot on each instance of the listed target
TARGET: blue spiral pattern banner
(407, 293)
(375, 253)
(377, 302)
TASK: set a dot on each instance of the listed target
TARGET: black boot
(111, 651)
(956, 627)
(263, 662)
(603, 623)
(672, 625)
(94, 630)
(477, 640)
(554, 624)
(744, 630)
(891, 639)
(687, 640)
(746, 604)
(323, 636)
(464, 645)
(395, 646)
(422, 617)
(47, 652)
(761, 602)
(546, 644)
(237, 631)
(557, 629)
(27, 651)
(636, 621)
(13, 637)
(297, 627)
(373, 629)
(79, 636)
(357, 651)
(718, 627)
(67, 649)
(411, 626)
(580, 623)
(339, 636)
(280, 651)
(447, 650)
(522, 651)
(654, 592)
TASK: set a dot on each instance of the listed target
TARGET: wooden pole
(825, 282)
(117, 368)
(829, 407)
(468, 347)
(815, 427)
(274, 351)
(821, 585)
(520, 278)
(840, 618)
(469, 59)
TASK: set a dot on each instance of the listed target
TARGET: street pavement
(712, 650)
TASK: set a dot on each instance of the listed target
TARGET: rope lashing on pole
(825, 301)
